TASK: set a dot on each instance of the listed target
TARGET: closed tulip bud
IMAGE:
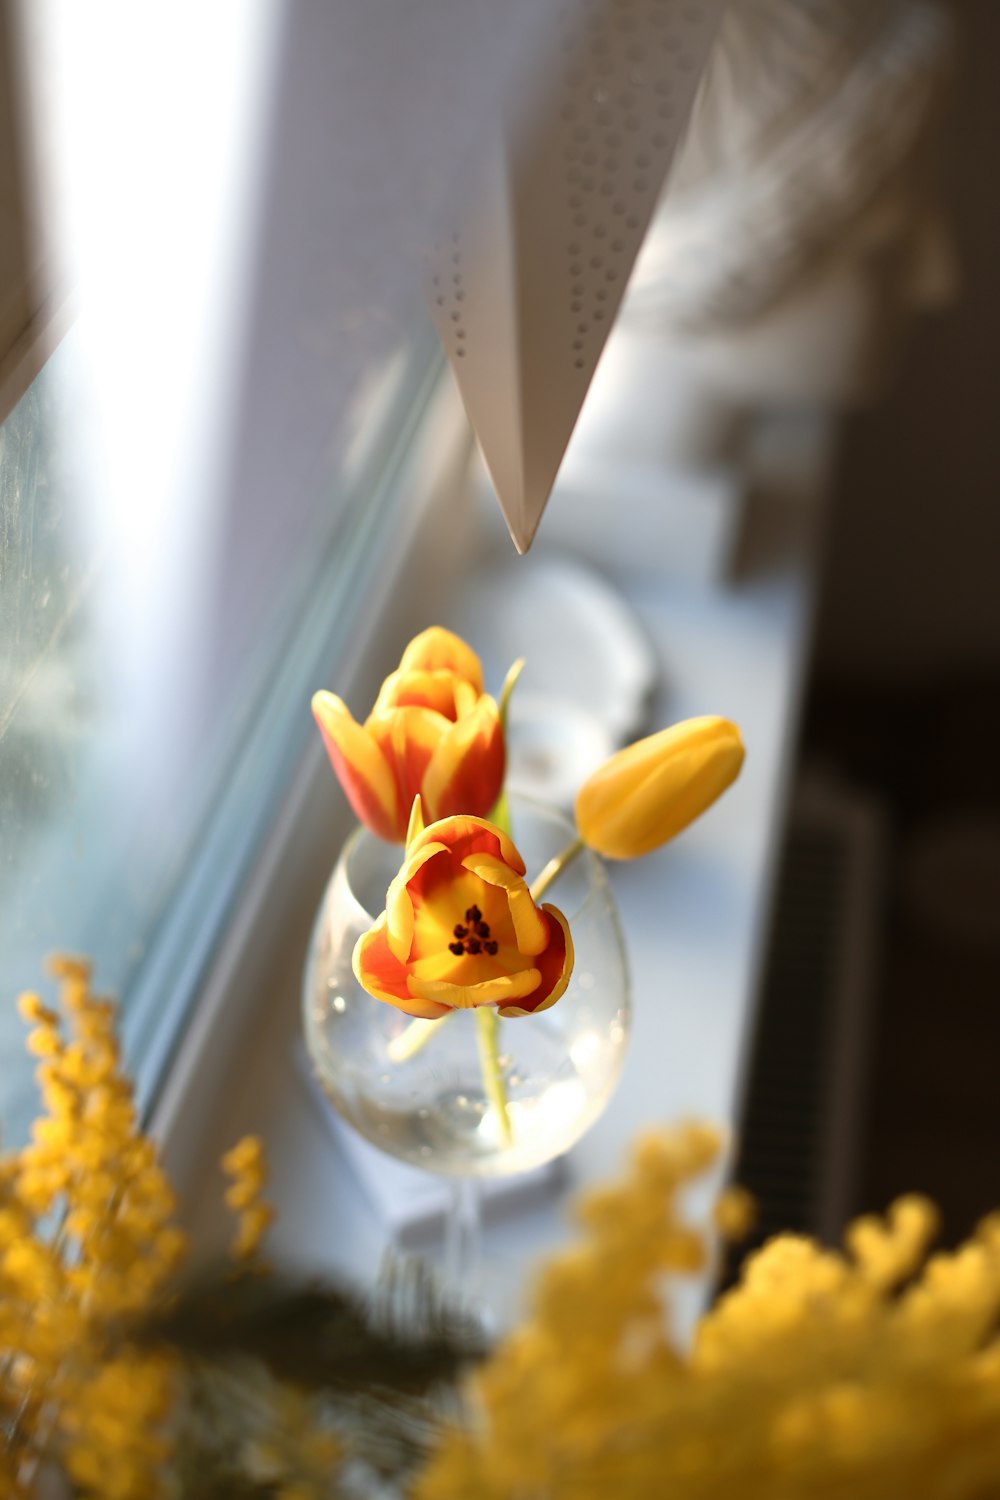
(649, 792)
(433, 732)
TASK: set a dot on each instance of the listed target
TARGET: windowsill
(695, 914)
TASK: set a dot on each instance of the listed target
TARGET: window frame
(182, 1076)
(33, 307)
(342, 625)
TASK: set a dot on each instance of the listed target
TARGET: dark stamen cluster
(472, 936)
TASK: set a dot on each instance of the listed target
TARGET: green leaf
(509, 683)
(320, 1336)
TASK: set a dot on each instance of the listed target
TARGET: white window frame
(345, 626)
(32, 305)
(273, 913)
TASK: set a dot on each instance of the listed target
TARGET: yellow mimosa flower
(245, 1163)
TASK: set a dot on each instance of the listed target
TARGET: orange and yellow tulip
(432, 731)
(460, 929)
(650, 791)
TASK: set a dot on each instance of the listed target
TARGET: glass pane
(190, 486)
(58, 845)
(116, 761)
(150, 591)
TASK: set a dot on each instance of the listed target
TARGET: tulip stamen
(473, 936)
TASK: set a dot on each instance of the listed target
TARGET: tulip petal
(530, 927)
(437, 965)
(466, 835)
(398, 902)
(361, 768)
(407, 738)
(465, 772)
(437, 649)
(465, 698)
(504, 988)
(434, 690)
(382, 975)
(555, 966)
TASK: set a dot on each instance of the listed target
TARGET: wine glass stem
(462, 1240)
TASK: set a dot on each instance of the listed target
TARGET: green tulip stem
(487, 1020)
(416, 1036)
(488, 1039)
(555, 867)
(414, 1039)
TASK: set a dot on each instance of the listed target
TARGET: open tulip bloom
(460, 929)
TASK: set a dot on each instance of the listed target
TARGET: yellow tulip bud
(649, 792)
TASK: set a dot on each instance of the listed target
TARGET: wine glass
(416, 1089)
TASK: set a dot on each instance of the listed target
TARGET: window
(235, 197)
(189, 492)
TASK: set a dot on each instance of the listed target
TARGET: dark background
(904, 694)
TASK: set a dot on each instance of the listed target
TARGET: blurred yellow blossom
(870, 1372)
(299, 1455)
(735, 1213)
(87, 1245)
(246, 1165)
(85, 1239)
